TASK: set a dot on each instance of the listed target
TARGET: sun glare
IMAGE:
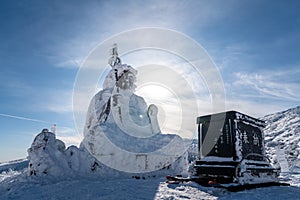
(169, 106)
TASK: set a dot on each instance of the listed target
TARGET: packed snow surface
(19, 187)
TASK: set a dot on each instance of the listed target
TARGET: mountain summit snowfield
(282, 143)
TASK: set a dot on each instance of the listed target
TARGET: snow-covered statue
(121, 130)
(121, 136)
(129, 111)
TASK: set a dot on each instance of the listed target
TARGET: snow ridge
(282, 137)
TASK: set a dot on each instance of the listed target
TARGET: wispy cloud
(254, 108)
(264, 92)
(14, 84)
(278, 85)
(68, 135)
(24, 118)
(71, 64)
(57, 101)
(102, 22)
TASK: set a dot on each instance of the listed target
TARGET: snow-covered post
(53, 128)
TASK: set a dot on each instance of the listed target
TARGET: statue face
(126, 81)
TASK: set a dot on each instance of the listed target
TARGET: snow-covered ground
(19, 187)
(15, 165)
(282, 143)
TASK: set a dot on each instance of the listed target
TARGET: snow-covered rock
(46, 155)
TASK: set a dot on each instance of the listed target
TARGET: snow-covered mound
(48, 156)
(282, 137)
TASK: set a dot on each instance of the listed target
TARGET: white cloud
(259, 94)
(60, 107)
(270, 84)
(59, 102)
(23, 118)
(68, 135)
(106, 19)
(253, 108)
(72, 63)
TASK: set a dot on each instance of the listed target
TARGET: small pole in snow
(53, 128)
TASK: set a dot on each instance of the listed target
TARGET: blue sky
(254, 44)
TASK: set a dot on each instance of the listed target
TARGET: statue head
(127, 79)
